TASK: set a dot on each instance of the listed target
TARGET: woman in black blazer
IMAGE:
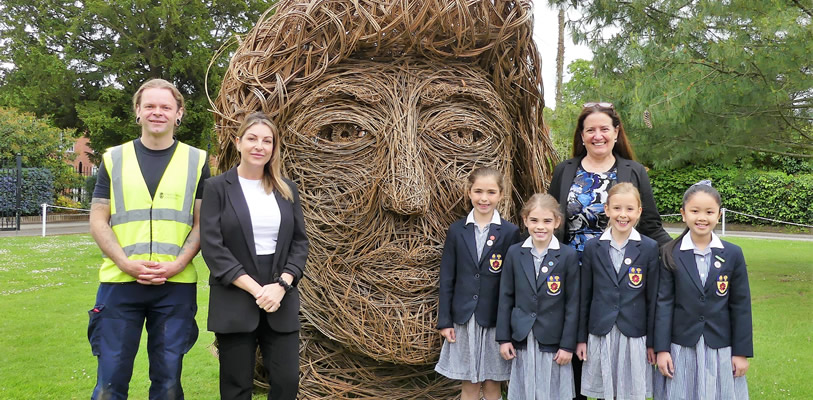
(601, 150)
(602, 157)
(253, 241)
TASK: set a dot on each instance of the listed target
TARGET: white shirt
(702, 258)
(480, 235)
(617, 252)
(538, 258)
(265, 216)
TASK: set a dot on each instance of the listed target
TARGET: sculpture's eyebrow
(340, 88)
(435, 92)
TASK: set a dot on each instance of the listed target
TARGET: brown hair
(543, 201)
(486, 171)
(157, 84)
(621, 148)
(272, 173)
(622, 188)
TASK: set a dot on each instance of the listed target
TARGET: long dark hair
(699, 187)
(621, 148)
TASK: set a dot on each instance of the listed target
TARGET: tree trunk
(560, 57)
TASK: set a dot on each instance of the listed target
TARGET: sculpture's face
(381, 152)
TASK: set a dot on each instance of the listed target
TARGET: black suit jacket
(686, 309)
(227, 244)
(468, 285)
(529, 303)
(626, 298)
(626, 171)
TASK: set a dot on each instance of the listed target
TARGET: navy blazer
(227, 245)
(549, 305)
(626, 298)
(468, 285)
(650, 223)
(720, 310)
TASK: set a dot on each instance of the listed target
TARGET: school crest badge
(554, 285)
(722, 285)
(636, 277)
(495, 263)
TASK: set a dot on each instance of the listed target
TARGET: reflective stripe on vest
(151, 228)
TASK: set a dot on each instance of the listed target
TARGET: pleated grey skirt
(616, 367)
(701, 373)
(535, 376)
(475, 355)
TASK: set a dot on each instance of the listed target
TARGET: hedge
(37, 188)
(768, 194)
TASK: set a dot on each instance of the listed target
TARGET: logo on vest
(495, 263)
(554, 285)
(636, 277)
(722, 285)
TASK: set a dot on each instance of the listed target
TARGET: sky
(546, 32)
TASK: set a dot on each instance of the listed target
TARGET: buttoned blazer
(687, 309)
(609, 298)
(469, 285)
(528, 302)
(650, 223)
(227, 244)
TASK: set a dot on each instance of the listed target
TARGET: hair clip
(704, 182)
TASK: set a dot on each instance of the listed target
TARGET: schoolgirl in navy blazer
(720, 310)
(609, 298)
(548, 304)
(469, 285)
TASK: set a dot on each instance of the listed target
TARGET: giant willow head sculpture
(384, 108)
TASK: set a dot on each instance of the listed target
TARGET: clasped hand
(269, 298)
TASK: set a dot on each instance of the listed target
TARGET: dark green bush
(37, 188)
(772, 194)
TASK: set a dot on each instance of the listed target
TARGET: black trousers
(237, 352)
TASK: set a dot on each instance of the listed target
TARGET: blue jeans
(114, 332)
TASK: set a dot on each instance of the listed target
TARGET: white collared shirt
(529, 243)
(702, 258)
(616, 251)
(481, 235)
(265, 215)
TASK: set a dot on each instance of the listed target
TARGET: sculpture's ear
(533, 158)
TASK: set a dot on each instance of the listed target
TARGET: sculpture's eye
(341, 133)
(464, 136)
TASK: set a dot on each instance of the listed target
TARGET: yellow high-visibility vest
(149, 228)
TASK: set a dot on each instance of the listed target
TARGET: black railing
(11, 180)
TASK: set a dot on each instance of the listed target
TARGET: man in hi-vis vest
(145, 218)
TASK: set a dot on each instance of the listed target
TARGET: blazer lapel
(550, 262)
(493, 230)
(623, 171)
(286, 223)
(468, 238)
(605, 261)
(631, 252)
(527, 260)
(714, 272)
(238, 203)
(686, 259)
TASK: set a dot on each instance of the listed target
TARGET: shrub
(37, 188)
(771, 194)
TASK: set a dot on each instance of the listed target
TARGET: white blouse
(265, 216)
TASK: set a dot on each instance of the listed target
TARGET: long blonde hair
(272, 172)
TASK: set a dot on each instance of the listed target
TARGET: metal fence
(11, 178)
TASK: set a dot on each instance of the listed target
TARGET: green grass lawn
(48, 284)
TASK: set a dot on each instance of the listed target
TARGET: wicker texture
(384, 107)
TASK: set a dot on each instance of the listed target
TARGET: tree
(40, 144)
(579, 89)
(719, 80)
(80, 62)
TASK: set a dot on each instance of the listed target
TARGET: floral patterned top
(585, 206)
